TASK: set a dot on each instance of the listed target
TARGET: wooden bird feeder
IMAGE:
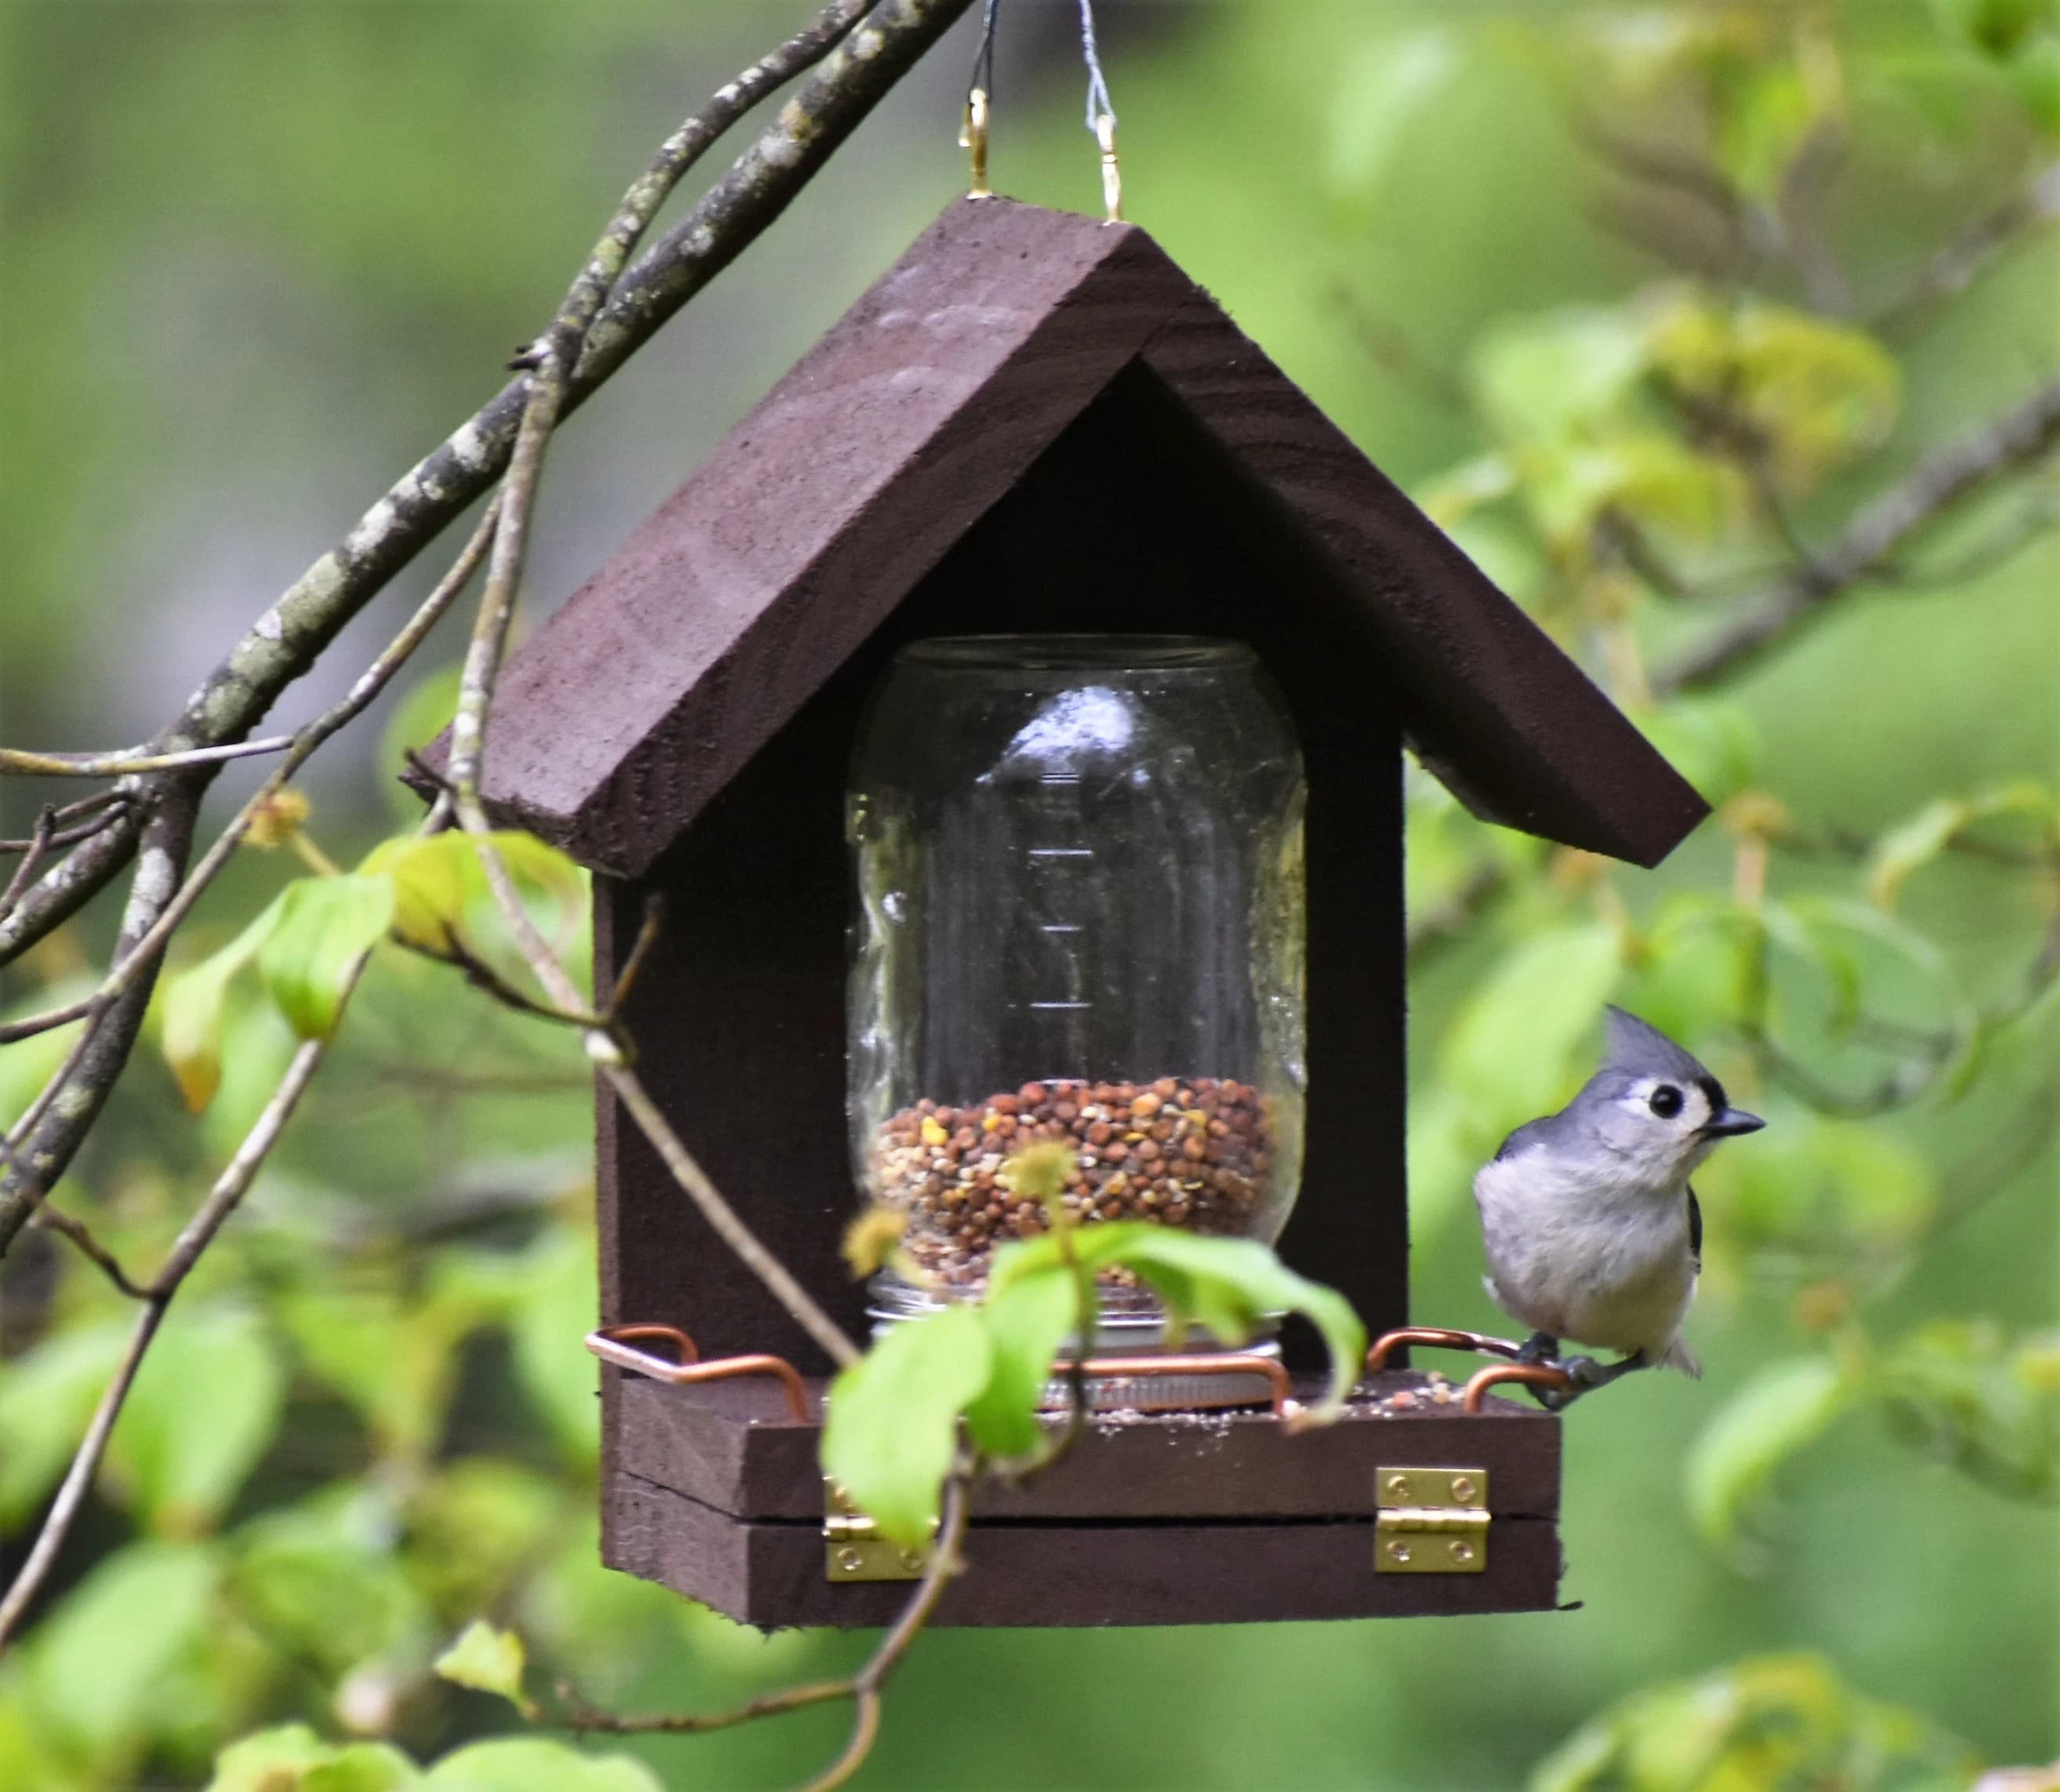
(1034, 422)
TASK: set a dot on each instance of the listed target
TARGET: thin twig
(1961, 262)
(16, 763)
(38, 843)
(48, 1217)
(2019, 437)
(869, 1681)
(222, 1200)
(640, 951)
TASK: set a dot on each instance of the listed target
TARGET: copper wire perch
(1225, 1362)
(612, 1343)
(1530, 1375)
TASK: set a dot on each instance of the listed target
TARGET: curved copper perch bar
(1531, 1374)
(1438, 1338)
(1226, 1364)
(611, 1345)
(1544, 1376)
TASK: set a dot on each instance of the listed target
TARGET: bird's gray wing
(1695, 1229)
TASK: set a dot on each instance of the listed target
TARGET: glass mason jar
(1080, 918)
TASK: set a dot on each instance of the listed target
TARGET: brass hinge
(1429, 1521)
(854, 1550)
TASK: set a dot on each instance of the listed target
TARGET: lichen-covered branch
(1935, 487)
(862, 66)
(44, 1138)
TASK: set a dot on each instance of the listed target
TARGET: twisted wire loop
(1101, 117)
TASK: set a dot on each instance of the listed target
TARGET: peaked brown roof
(735, 602)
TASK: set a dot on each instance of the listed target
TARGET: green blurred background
(258, 258)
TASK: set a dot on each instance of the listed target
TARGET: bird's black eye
(1666, 1101)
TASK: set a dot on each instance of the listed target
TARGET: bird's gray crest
(1639, 1048)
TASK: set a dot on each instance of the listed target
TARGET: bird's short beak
(1733, 1121)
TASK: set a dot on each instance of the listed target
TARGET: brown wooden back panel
(1135, 519)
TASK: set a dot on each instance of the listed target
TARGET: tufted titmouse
(1592, 1232)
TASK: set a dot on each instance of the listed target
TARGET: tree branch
(44, 1138)
(1961, 262)
(1955, 472)
(867, 52)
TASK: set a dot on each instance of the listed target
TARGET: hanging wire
(972, 132)
(1101, 117)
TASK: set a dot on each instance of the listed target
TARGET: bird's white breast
(1596, 1252)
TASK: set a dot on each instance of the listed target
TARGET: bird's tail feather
(1679, 1356)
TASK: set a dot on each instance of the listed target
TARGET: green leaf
(559, 1302)
(321, 1580)
(1962, 1392)
(325, 925)
(1509, 1052)
(435, 879)
(477, 1525)
(1785, 1721)
(892, 1423)
(1550, 377)
(1380, 92)
(1764, 120)
(103, 1659)
(490, 1660)
(2034, 75)
(1911, 847)
(1712, 744)
(1996, 27)
(47, 1395)
(1230, 1284)
(1785, 1406)
(1026, 1323)
(1837, 1197)
(293, 1758)
(192, 1007)
(205, 1408)
(533, 1764)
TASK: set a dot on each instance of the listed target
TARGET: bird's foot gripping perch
(1555, 1381)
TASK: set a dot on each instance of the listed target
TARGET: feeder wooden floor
(1158, 1518)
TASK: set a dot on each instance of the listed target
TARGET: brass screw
(1463, 1487)
(849, 1560)
(1399, 1485)
(912, 1559)
(1462, 1551)
(1397, 1552)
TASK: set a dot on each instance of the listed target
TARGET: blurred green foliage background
(1633, 297)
